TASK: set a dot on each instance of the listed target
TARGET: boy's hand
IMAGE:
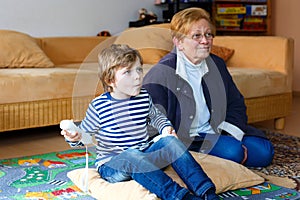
(71, 137)
(169, 130)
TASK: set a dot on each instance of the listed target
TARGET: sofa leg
(279, 123)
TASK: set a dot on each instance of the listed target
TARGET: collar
(182, 63)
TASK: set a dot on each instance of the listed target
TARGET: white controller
(69, 126)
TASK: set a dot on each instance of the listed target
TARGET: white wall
(42, 18)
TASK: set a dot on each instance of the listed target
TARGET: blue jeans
(260, 151)
(146, 166)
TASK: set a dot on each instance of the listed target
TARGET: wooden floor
(45, 140)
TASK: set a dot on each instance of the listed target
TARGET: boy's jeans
(145, 168)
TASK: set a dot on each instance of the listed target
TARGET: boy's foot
(189, 196)
(211, 195)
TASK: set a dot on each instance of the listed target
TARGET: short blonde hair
(183, 20)
(113, 58)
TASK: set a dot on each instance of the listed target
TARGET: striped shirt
(121, 124)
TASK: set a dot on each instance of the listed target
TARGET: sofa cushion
(153, 42)
(223, 52)
(255, 82)
(32, 84)
(65, 50)
(225, 174)
(21, 50)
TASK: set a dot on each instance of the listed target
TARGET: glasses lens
(199, 37)
(208, 35)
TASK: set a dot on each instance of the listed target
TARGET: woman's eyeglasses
(198, 36)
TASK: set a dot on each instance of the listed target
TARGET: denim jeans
(260, 151)
(146, 166)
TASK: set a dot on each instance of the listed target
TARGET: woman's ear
(178, 43)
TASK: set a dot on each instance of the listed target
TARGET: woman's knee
(229, 148)
(260, 151)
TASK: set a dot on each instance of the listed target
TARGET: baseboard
(296, 93)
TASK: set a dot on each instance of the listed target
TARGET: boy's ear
(110, 85)
(109, 82)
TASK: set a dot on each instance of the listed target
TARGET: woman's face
(196, 45)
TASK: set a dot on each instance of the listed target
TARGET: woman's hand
(245, 154)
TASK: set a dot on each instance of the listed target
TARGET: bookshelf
(231, 17)
(242, 17)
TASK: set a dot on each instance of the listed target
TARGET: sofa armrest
(68, 50)
(265, 52)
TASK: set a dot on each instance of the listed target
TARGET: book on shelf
(231, 28)
(254, 26)
(230, 16)
(254, 19)
(224, 5)
(257, 10)
(231, 10)
(229, 22)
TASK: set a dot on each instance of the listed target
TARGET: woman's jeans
(144, 166)
(260, 151)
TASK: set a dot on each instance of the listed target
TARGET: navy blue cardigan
(174, 96)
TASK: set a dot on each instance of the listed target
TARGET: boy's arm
(88, 126)
(159, 121)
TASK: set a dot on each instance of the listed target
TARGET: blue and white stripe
(121, 124)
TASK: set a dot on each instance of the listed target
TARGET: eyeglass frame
(198, 36)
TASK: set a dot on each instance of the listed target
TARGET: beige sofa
(45, 80)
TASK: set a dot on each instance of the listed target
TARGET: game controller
(69, 126)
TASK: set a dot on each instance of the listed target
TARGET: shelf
(252, 17)
(259, 22)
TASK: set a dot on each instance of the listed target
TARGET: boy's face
(128, 81)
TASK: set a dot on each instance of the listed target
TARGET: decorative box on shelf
(242, 17)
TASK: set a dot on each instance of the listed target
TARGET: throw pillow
(223, 52)
(21, 50)
(153, 42)
(225, 174)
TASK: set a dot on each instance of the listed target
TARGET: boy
(119, 117)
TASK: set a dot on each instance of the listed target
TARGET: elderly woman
(195, 90)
